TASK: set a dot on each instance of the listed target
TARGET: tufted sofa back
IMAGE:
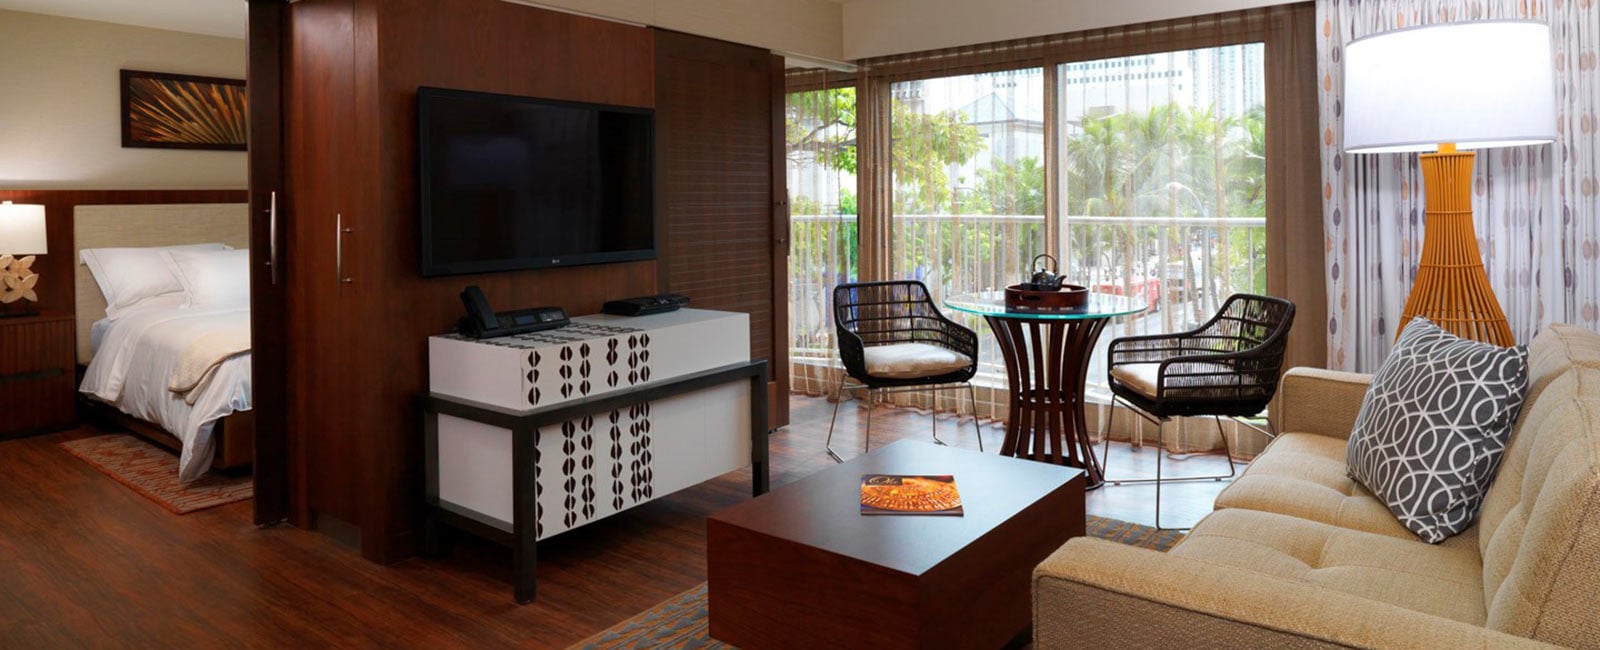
(1540, 527)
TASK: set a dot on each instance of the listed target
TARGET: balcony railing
(1184, 267)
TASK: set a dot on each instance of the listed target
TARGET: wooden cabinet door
(268, 295)
(324, 204)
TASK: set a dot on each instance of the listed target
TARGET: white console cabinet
(532, 435)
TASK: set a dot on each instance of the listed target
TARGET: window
(1163, 188)
(821, 152)
(969, 196)
(1160, 195)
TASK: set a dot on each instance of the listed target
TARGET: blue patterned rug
(680, 622)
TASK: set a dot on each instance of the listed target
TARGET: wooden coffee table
(801, 567)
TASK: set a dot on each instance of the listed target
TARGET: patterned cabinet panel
(596, 466)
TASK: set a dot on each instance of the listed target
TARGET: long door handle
(272, 235)
(338, 249)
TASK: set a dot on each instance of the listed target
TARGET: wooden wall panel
(481, 45)
(715, 182)
(366, 459)
(55, 270)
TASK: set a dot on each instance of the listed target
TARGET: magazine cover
(902, 494)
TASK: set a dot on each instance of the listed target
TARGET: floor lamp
(1457, 87)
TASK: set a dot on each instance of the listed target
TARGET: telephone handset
(482, 322)
(478, 309)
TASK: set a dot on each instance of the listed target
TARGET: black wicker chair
(1228, 367)
(876, 319)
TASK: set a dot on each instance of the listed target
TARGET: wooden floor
(87, 561)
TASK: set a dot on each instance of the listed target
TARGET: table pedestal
(1047, 362)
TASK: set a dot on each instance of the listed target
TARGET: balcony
(1184, 267)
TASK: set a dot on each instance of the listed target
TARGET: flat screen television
(511, 183)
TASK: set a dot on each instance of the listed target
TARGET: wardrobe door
(268, 304)
(323, 366)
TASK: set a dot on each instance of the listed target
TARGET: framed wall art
(176, 111)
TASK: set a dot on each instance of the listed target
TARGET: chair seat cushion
(913, 360)
(1444, 581)
(1303, 475)
(1143, 378)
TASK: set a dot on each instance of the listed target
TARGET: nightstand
(36, 374)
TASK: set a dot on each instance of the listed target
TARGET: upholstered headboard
(137, 226)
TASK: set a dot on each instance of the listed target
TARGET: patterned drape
(1535, 208)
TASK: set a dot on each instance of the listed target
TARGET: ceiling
(215, 17)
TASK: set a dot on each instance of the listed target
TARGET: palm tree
(1168, 160)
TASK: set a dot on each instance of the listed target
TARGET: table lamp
(22, 235)
(1457, 87)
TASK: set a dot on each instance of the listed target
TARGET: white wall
(808, 27)
(881, 27)
(60, 100)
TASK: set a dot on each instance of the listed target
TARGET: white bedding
(97, 333)
(136, 358)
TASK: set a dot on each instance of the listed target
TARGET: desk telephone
(482, 322)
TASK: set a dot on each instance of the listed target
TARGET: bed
(175, 373)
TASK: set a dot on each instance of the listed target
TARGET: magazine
(910, 494)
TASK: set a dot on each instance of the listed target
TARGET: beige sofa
(1297, 555)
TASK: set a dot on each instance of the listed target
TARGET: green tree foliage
(1009, 188)
(1169, 161)
(925, 145)
(821, 127)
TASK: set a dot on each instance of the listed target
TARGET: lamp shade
(1477, 85)
(22, 229)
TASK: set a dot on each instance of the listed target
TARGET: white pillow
(212, 278)
(128, 276)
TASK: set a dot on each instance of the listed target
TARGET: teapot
(1045, 279)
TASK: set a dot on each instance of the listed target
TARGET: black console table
(520, 533)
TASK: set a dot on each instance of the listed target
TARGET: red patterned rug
(153, 472)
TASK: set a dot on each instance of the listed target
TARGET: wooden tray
(1071, 296)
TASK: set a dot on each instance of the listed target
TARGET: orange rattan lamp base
(1452, 289)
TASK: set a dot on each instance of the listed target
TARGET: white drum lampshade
(22, 230)
(1477, 85)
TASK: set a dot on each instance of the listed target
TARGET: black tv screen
(513, 183)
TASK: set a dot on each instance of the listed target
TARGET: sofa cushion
(1556, 350)
(1303, 475)
(1433, 426)
(913, 360)
(1541, 520)
(1437, 580)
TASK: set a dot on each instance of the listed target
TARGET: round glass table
(1047, 361)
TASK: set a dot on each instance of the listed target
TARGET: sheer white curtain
(1534, 208)
(820, 116)
(969, 189)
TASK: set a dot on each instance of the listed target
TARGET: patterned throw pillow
(1433, 426)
